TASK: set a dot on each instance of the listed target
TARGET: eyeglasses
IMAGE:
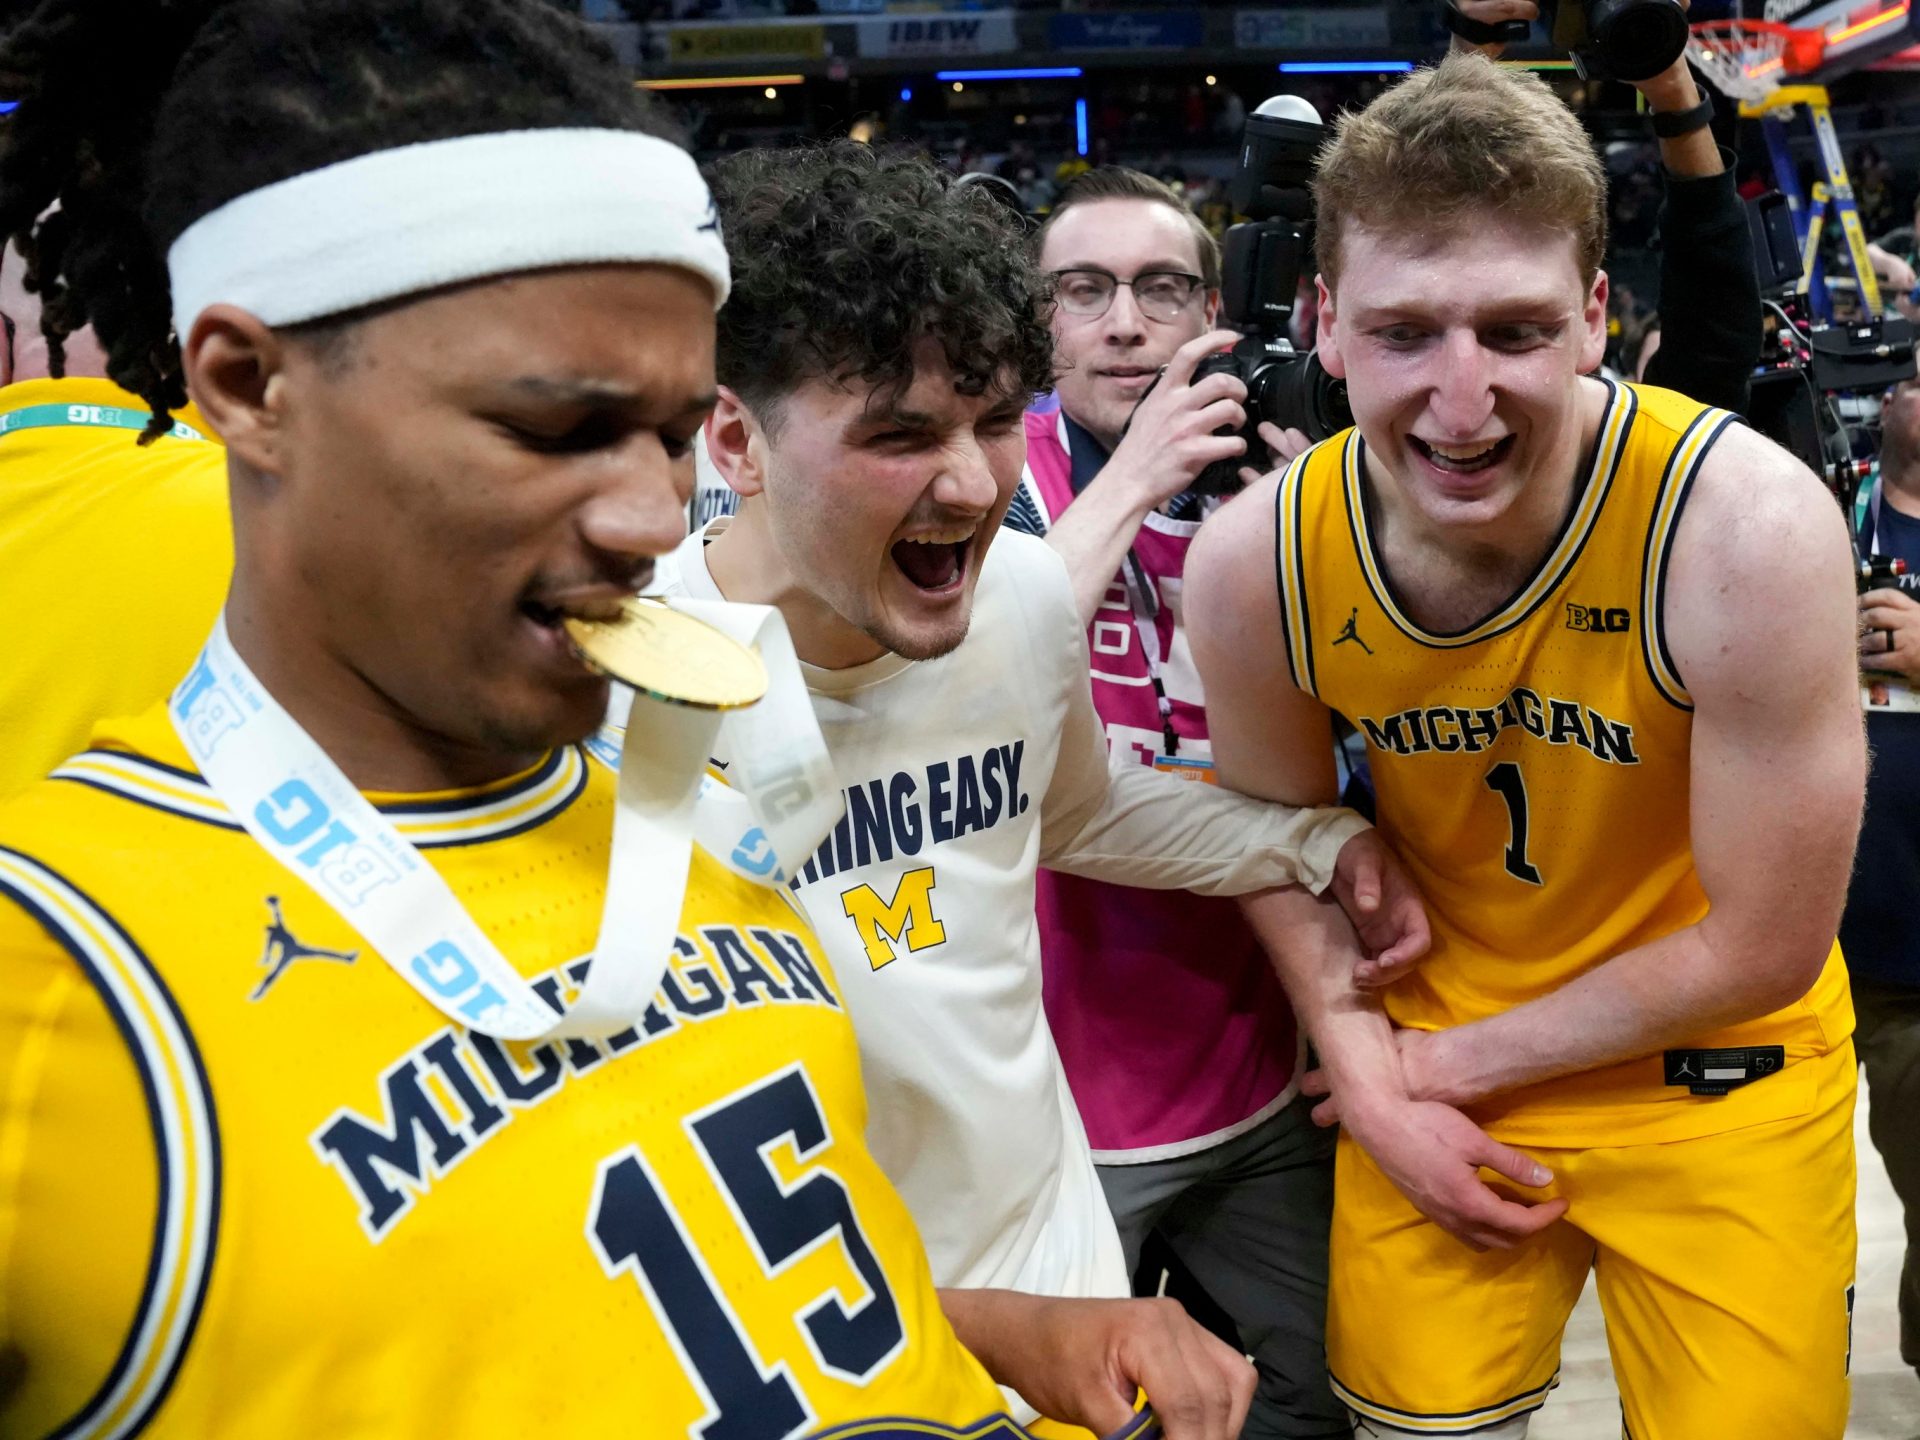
(1160, 294)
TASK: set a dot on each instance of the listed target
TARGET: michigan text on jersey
(1445, 729)
(391, 1162)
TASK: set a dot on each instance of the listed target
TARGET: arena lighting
(1080, 123)
(1056, 72)
(1872, 22)
(719, 82)
(906, 94)
(1345, 67)
(7, 107)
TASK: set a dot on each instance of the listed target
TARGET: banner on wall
(694, 44)
(937, 37)
(1309, 27)
(1128, 30)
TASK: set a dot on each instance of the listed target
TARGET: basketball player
(147, 526)
(876, 357)
(1599, 639)
(447, 295)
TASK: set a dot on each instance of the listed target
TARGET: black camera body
(1608, 39)
(1261, 264)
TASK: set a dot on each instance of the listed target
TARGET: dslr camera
(1261, 265)
(1608, 39)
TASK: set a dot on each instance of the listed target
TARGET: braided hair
(139, 118)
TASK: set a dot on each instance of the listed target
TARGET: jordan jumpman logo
(283, 949)
(1351, 631)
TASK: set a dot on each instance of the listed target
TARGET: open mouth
(933, 563)
(1463, 459)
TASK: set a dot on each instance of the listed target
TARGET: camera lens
(1297, 393)
(1639, 38)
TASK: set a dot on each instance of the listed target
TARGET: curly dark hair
(141, 117)
(845, 257)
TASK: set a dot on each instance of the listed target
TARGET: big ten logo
(445, 969)
(1598, 620)
(908, 916)
(89, 415)
(779, 784)
(342, 864)
(754, 857)
(206, 709)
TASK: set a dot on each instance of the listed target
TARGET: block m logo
(908, 916)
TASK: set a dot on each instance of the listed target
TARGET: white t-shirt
(963, 775)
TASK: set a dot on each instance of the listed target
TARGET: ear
(1593, 320)
(737, 444)
(1326, 341)
(1213, 308)
(236, 374)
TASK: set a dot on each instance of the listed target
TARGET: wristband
(1672, 124)
(1478, 32)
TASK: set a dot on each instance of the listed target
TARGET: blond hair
(1461, 139)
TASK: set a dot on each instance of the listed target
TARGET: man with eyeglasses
(1176, 1038)
(114, 556)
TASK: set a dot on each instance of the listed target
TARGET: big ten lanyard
(105, 417)
(296, 803)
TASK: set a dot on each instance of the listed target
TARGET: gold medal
(671, 656)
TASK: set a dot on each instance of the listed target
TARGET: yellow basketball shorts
(1724, 1266)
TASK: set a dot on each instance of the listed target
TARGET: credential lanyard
(107, 417)
(1144, 600)
(292, 799)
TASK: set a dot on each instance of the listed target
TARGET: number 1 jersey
(251, 1184)
(1533, 770)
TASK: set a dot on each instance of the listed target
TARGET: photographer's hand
(1283, 448)
(1672, 92)
(1890, 635)
(1169, 441)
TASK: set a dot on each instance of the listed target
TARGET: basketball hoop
(1747, 59)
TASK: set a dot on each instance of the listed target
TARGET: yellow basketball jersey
(114, 558)
(252, 1185)
(1533, 770)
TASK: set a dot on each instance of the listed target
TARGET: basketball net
(1747, 59)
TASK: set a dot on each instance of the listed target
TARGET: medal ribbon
(296, 803)
(107, 417)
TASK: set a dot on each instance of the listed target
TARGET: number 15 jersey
(251, 1184)
(1533, 770)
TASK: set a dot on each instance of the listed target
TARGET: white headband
(401, 221)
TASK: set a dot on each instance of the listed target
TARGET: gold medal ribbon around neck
(671, 656)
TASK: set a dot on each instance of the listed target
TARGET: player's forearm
(1658, 996)
(1159, 833)
(1094, 534)
(985, 1321)
(1313, 950)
